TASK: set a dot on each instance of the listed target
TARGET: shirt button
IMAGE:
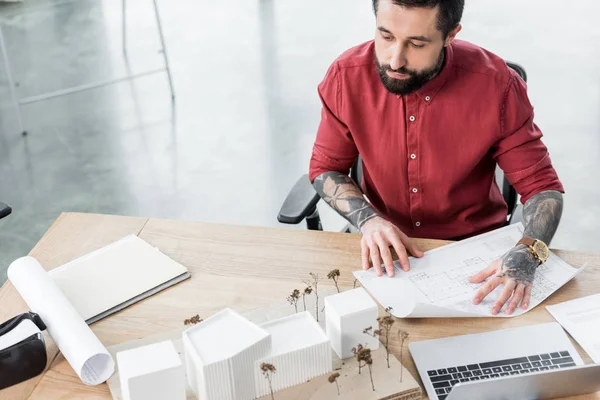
(415, 190)
(417, 224)
(427, 98)
(412, 118)
(413, 156)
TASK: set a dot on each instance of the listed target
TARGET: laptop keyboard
(445, 378)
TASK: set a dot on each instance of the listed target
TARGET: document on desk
(581, 318)
(437, 284)
(116, 276)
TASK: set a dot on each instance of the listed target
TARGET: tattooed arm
(516, 269)
(345, 197)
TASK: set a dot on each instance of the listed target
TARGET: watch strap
(527, 241)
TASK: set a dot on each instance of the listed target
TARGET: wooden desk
(232, 266)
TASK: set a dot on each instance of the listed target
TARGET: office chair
(301, 202)
(4, 210)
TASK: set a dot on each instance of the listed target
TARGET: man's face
(409, 48)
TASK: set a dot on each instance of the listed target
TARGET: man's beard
(415, 81)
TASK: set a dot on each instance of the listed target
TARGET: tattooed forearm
(345, 197)
(541, 214)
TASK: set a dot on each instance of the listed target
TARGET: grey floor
(242, 127)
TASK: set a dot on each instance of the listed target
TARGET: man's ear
(452, 34)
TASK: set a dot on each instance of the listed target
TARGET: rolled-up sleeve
(334, 148)
(521, 153)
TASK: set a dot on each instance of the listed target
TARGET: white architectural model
(300, 351)
(220, 356)
(152, 372)
(347, 314)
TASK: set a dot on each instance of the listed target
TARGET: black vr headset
(22, 349)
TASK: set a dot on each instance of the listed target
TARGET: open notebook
(116, 276)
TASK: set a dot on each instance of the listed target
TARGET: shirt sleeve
(334, 148)
(521, 153)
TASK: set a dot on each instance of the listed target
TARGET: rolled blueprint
(76, 341)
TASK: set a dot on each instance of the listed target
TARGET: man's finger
(364, 253)
(401, 252)
(484, 273)
(386, 255)
(516, 298)
(486, 289)
(526, 297)
(509, 287)
(412, 247)
(374, 253)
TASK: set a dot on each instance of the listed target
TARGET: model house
(347, 315)
(152, 372)
(300, 350)
(221, 354)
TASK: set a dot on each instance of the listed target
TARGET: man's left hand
(515, 270)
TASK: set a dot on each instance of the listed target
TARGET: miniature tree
(385, 324)
(356, 351)
(307, 291)
(293, 298)
(335, 275)
(369, 362)
(363, 356)
(193, 320)
(333, 378)
(369, 331)
(268, 370)
(402, 336)
(315, 284)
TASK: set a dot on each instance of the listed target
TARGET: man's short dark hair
(449, 15)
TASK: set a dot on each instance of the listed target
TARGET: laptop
(530, 362)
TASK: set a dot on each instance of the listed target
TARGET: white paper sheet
(81, 348)
(437, 285)
(581, 318)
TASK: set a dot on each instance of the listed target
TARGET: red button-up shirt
(429, 157)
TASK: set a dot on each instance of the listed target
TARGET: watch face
(541, 250)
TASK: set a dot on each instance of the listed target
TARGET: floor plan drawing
(438, 284)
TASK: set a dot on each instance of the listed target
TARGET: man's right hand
(378, 235)
(345, 197)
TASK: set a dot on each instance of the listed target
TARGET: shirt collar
(430, 89)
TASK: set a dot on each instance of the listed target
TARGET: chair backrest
(508, 191)
(4, 210)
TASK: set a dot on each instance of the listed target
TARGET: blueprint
(437, 285)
